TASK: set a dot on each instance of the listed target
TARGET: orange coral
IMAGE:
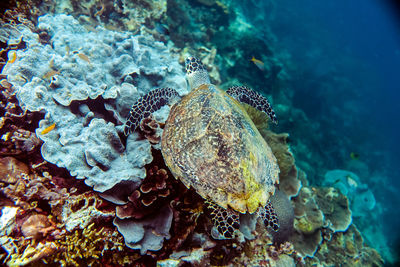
(154, 190)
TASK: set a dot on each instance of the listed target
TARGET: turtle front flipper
(148, 104)
(225, 220)
(268, 216)
(247, 95)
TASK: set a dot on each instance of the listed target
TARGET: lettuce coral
(93, 85)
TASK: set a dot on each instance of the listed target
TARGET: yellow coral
(89, 245)
(304, 225)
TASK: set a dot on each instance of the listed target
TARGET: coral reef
(288, 176)
(75, 96)
(323, 224)
(361, 198)
(349, 250)
(86, 141)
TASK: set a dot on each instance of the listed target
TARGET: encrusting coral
(323, 224)
(288, 176)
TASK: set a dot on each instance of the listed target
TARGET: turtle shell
(210, 143)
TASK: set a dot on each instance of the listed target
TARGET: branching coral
(90, 246)
(32, 253)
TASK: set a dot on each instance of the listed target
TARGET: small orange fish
(100, 12)
(48, 129)
(12, 56)
(84, 57)
(258, 63)
(50, 74)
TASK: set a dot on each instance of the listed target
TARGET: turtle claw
(148, 104)
(269, 217)
(226, 221)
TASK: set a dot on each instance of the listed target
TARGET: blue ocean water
(347, 56)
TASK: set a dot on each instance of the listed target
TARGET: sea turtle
(210, 143)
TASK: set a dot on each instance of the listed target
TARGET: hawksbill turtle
(211, 144)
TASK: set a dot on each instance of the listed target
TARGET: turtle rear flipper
(148, 104)
(268, 216)
(226, 221)
(247, 95)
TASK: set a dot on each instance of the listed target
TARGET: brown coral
(154, 189)
(16, 125)
(309, 217)
(187, 210)
(157, 188)
(347, 248)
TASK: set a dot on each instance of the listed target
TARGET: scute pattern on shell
(211, 144)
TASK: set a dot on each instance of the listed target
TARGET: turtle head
(196, 73)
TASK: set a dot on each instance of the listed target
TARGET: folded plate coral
(62, 78)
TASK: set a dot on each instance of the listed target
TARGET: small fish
(351, 181)
(50, 74)
(12, 56)
(84, 57)
(100, 12)
(162, 29)
(354, 155)
(48, 129)
(258, 63)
